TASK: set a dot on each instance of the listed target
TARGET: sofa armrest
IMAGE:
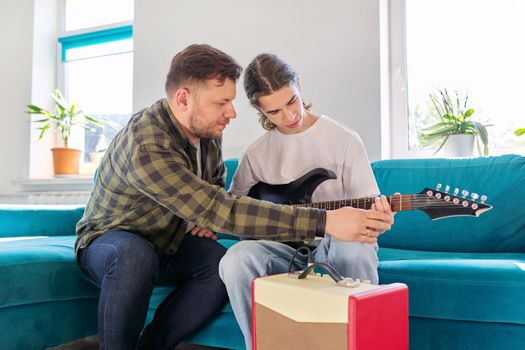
(39, 220)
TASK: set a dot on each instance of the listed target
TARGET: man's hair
(198, 63)
(266, 74)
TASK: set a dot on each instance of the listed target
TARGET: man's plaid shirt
(147, 184)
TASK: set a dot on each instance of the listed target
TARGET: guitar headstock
(441, 204)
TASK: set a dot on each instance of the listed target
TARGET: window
(82, 14)
(97, 65)
(469, 46)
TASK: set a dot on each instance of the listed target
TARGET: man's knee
(136, 256)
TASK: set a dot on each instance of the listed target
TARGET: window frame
(398, 127)
(85, 37)
(71, 39)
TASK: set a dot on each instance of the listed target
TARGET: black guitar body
(296, 192)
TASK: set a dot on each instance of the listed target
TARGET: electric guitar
(434, 202)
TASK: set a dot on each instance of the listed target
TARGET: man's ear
(182, 97)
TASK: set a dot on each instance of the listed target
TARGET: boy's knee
(240, 257)
(231, 259)
(354, 251)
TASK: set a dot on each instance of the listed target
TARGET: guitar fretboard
(397, 203)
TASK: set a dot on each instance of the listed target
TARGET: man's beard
(201, 131)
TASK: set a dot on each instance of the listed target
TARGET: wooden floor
(91, 343)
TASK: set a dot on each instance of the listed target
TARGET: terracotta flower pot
(66, 161)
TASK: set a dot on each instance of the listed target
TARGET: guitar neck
(397, 203)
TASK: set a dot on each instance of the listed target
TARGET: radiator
(58, 198)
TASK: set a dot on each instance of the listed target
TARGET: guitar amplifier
(317, 313)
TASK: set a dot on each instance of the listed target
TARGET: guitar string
(426, 200)
(413, 207)
(404, 197)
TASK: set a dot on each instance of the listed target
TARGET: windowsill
(429, 153)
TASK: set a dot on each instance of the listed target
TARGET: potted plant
(455, 132)
(62, 118)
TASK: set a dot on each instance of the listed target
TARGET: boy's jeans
(249, 259)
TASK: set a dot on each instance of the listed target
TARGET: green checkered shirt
(147, 184)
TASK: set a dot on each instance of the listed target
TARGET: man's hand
(358, 225)
(381, 204)
(203, 232)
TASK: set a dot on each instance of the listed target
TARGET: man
(162, 174)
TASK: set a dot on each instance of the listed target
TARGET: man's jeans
(249, 259)
(127, 268)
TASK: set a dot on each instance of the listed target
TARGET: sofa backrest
(501, 179)
(231, 166)
(39, 220)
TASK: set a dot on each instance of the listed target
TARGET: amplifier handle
(325, 267)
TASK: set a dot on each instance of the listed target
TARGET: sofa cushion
(41, 269)
(39, 220)
(502, 179)
(40, 281)
(484, 287)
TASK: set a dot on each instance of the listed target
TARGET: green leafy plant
(455, 119)
(63, 118)
(520, 132)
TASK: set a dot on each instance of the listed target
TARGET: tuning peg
(474, 196)
(447, 188)
(483, 198)
(464, 193)
(456, 191)
(438, 187)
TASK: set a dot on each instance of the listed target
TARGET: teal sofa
(466, 275)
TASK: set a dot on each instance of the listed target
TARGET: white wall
(28, 31)
(332, 44)
(44, 82)
(16, 37)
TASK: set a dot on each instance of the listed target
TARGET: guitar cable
(309, 260)
(311, 265)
